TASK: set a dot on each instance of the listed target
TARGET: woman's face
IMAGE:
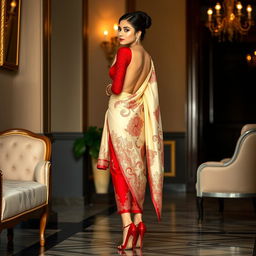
(126, 33)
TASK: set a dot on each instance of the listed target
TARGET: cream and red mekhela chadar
(133, 122)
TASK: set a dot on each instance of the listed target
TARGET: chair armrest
(212, 164)
(42, 172)
(225, 160)
(199, 172)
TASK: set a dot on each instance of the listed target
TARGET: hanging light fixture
(231, 21)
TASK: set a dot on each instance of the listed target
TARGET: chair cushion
(19, 196)
(19, 155)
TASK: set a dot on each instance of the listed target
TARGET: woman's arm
(123, 59)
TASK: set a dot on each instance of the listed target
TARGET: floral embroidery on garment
(134, 126)
(150, 156)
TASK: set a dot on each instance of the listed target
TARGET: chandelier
(231, 21)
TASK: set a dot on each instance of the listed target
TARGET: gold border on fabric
(172, 169)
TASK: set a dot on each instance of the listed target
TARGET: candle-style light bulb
(248, 57)
(249, 10)
(239, 7)
(13, 5)
(217, 8)
(116, 29)
(209, 12)
(105, 32)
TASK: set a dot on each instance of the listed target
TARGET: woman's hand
(108, 90)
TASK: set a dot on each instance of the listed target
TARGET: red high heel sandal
(141, 229)
(132, 231)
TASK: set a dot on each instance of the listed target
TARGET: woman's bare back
(137, 70)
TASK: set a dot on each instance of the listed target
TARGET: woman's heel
(141, 229)
(132, 231)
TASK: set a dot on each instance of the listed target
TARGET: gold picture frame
(171, 172)
(9, 34)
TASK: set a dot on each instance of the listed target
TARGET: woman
(132, 129)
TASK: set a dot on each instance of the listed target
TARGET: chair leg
(254, 204)
(200, 209)
(221, 205)
(43, 222)
(10, 235)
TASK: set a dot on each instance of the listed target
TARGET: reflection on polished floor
(95, 230)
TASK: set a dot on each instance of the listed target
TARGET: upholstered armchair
(25, 179)
(232, 177)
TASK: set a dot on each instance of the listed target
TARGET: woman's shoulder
(124, 55)
(124, 50)
(140, 53)
(139, 50)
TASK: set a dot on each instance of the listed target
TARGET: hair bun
(146, 18)
(139, 20)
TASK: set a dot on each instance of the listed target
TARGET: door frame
(193, 124)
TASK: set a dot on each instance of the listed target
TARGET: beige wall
(103, 14)
(21, 92)
(66, 66)
(166, 43)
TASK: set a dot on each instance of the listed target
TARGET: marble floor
(95, 230)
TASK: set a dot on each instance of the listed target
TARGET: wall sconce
(110, 46)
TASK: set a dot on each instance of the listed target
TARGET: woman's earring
(137, 39)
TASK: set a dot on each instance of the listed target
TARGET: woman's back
(137, 70)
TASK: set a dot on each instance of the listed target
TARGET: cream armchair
(25, 179)
(230, 178)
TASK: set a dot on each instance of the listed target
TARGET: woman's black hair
(139, 20)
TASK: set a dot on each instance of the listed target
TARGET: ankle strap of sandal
(128, 225)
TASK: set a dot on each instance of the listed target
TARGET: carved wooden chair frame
(41, 210)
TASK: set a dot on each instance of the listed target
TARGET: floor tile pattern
(177, 234)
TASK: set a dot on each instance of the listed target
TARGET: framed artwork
(170, 158)
(9, 33)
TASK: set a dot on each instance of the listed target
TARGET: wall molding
(65, 135)
(85, 65)
(47, 23)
